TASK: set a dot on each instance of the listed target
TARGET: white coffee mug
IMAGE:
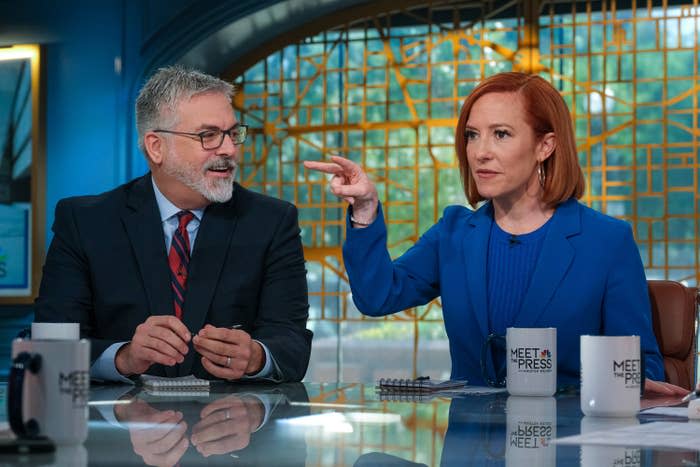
(56, 331)
(611, 375)
(531, 426)
(531, 361)
(49, 384)
(593, 455)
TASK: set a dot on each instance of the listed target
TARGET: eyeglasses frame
(200, 135)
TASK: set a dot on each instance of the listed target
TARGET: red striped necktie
(179, 261)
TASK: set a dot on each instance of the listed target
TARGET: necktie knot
(184, 218)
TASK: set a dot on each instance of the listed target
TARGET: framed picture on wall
(22, 174)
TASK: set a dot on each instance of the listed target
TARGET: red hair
(546, 112)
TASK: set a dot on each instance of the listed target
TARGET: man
(182, 271)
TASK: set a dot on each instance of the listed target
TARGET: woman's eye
(470, 135)
(500, 134)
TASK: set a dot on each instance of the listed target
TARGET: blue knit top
(510, 265)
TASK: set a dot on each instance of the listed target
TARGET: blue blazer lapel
(475, 248)
(555, 259)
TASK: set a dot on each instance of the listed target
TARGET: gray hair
(158, 99)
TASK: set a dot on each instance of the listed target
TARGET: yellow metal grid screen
(387, 96)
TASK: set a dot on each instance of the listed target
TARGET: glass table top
(319, 424)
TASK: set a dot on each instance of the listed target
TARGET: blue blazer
(589, 279)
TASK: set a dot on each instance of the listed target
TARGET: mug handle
(23, 361)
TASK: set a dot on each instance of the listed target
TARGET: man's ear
(546, 146)
(153, 144)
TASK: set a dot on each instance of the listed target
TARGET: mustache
(220, 163)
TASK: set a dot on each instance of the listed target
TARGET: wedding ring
(228, 361)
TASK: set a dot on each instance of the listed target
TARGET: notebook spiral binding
(394, 396)
(403, 384)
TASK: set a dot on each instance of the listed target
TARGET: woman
(530, 256)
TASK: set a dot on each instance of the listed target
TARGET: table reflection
(342, 424)
(531, 426)
(207, 427)
(158, 436)
(502, 430)
(476, 434)
(608, 456)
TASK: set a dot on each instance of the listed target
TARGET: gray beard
(216, 191)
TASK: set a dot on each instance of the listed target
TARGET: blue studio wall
(84, 116)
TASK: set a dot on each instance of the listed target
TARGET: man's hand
(160, 339)
(226, 425)
(228, 353)
(159, 437)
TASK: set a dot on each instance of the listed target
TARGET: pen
(692, 395)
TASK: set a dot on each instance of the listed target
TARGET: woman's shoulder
(458, 214)
(456, 210)
(596, 221)
(457, 220)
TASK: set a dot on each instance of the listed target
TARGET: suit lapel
(554, 261)
(475, 248)
(141, 219)
(210, 251)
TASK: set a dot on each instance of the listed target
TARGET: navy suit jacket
(589, 279)
(107, 269)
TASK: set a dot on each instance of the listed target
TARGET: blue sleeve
(380, 286)
(104, 368)
(626, 306)
(270, 371)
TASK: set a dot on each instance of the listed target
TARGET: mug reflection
(531, 428)
(603, 456)
(492, 430)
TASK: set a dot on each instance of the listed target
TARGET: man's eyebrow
(205, 126)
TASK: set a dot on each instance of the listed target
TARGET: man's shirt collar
(168, 209)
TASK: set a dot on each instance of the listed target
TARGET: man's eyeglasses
(214, 138)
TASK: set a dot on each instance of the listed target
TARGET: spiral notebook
(419, 385)
(181, 384)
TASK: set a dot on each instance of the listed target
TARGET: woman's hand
(662, 389)
(351, 183)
